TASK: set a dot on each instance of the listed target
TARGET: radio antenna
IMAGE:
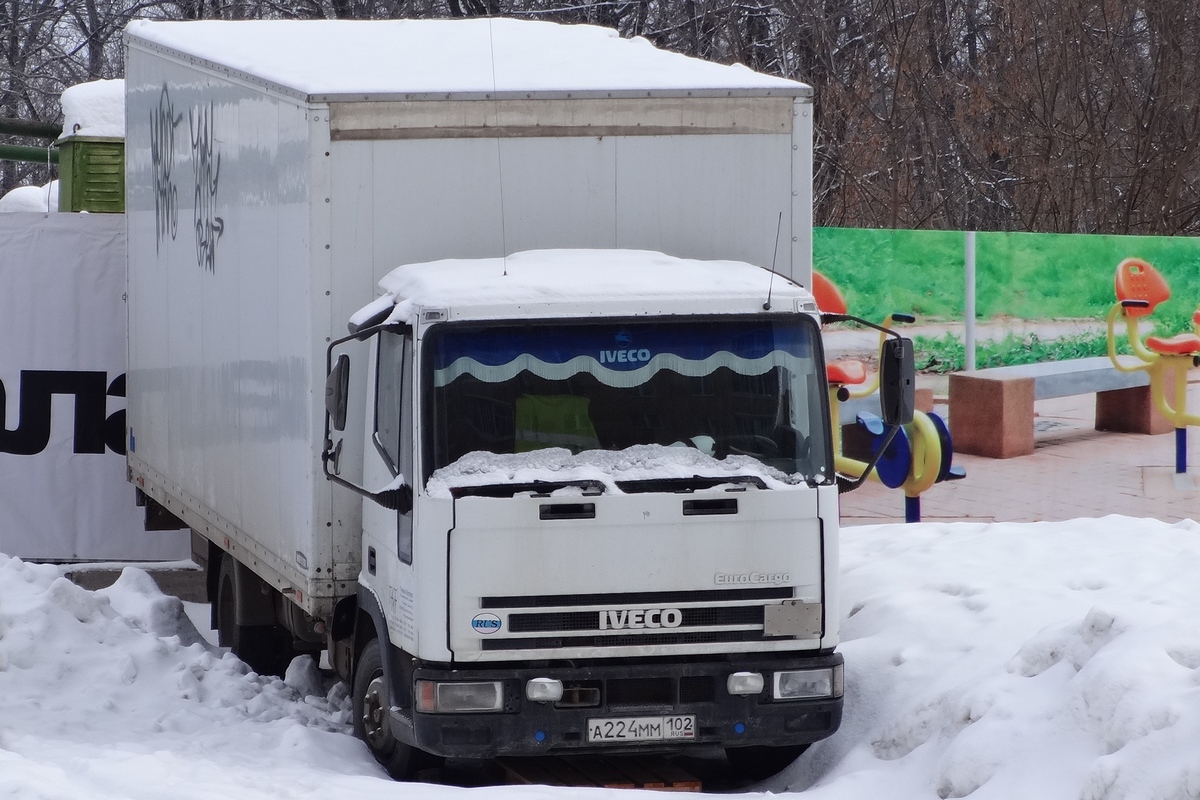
(499, 159)
(774, 255)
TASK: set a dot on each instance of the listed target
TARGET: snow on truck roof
(495, 57)
(579, 282)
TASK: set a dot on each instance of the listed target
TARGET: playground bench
(991, 410)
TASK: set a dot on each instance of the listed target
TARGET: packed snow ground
(1050, 660)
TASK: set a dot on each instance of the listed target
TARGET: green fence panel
(1021, 275)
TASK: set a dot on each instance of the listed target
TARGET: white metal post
(969, 304)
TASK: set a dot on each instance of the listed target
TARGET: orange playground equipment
(1140, 288)
(918, 455)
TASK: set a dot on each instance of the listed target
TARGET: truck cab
(604, 516)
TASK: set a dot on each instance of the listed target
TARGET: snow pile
(640, 462)
(96, 108)
(498, 57)
(517, 283)
(1050, 660)
(39, 199)
(101, 692)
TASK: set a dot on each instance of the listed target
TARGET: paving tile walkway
(1074, 471)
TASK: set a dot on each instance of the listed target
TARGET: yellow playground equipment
(1140, 288)
(920, 453)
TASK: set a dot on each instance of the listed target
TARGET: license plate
(641, 729)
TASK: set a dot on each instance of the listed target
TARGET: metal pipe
(36, 155)
(25, 127)
(912, 508)
(969, 300)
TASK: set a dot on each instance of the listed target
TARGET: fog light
(451, 698)
(744, 683)
(803, 684)
(544, 690)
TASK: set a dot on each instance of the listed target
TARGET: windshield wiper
(687, 485)
(536, 488)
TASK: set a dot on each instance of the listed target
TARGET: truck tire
(266, 649)
(371, 723)
(760, 763)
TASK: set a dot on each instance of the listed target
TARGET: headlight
(451, 698)
(544, 690)
(807, 684)
(744, 683)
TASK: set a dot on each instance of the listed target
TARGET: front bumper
(697, 688)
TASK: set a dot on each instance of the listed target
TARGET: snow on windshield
(640, 462)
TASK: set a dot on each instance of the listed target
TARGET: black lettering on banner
(93, 429)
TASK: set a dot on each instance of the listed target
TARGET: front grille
(638, 598)
(637, 639)
(641, 692)
(639, 619)
(619, 693)
(697, 689)
(590, 620)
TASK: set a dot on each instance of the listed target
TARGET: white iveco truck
(556, 492)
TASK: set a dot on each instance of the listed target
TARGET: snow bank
(96, 108)
(41, 199)
(1050, 660)
(115, 694)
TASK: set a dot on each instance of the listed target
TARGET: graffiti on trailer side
(206, 165)
(163, 122)
(206, 174)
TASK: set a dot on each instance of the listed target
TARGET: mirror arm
(392, 499)
(829, 318)
(846, 484)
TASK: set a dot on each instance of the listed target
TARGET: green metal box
(91, 172)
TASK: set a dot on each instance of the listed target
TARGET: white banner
(63, 493)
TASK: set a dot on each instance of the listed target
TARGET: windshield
(731, 388)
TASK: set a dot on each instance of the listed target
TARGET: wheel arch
(371, 623)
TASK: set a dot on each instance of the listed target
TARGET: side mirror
(897, 381)
(337, 390)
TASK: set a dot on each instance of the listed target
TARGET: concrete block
(991, 417)
(1130, 411)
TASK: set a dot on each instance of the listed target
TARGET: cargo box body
(270, 188)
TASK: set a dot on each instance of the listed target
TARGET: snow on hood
(96, 108)
(640, 462)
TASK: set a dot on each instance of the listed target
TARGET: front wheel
(371, 722)
(760, 763)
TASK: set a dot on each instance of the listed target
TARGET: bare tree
(1052, 115)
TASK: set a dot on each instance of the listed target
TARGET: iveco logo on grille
(751, 578)
(640, 618)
